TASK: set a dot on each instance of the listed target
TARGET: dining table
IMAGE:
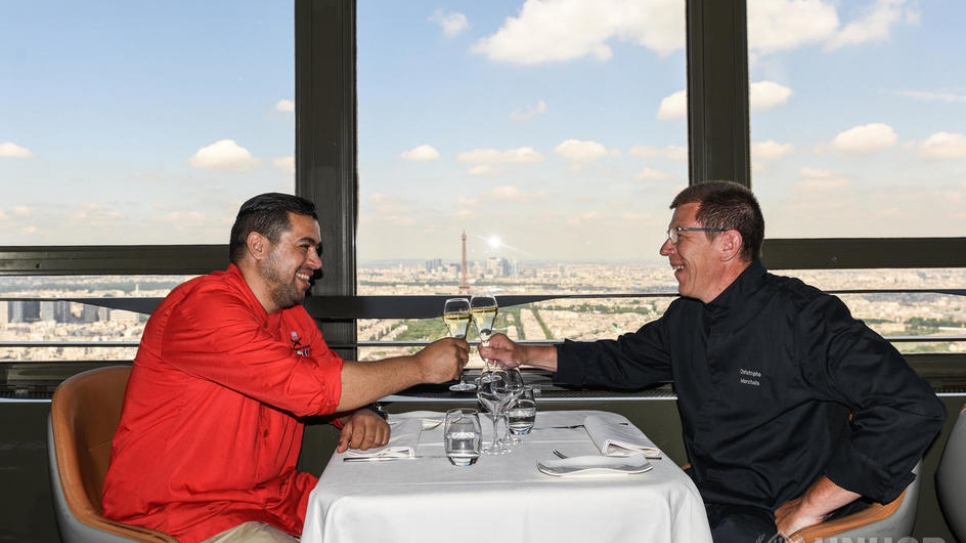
(423, 498)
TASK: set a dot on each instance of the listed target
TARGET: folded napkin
(618, 440)
(430, 419)
(402, 442)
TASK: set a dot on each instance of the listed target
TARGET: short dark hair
(729, 206)
(267, 214)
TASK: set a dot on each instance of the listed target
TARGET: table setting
(633, 493)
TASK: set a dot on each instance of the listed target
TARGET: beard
(283, 293)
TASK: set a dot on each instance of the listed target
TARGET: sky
(545, 129)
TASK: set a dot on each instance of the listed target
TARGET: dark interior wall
(26, 514)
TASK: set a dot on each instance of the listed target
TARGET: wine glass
(522, 413)
(456, 317)
(510, 387)
(491, 399)
(483, 309)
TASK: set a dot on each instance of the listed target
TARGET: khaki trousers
(252, 532)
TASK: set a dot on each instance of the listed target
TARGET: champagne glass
(483, 309)
(456, 317)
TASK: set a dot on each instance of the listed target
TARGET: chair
(951, 478)
(879, 522)
(84, 415)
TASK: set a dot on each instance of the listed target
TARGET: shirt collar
(747, 283)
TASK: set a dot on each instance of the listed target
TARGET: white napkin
(618, 440)
(402, 442)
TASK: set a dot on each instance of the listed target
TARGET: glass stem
(493, 446)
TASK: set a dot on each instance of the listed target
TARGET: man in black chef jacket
(793, 411)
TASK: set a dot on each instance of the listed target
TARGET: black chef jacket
(767, 376)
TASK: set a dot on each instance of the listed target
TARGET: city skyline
(555, 126)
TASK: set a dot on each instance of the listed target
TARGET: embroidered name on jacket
(749, 377)
(302, 350)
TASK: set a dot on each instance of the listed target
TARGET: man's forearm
(366, 382)
(540, 356)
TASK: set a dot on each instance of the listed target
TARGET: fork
(563, 427)
(564, 456)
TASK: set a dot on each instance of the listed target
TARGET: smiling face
(287, 269)
(700, 265)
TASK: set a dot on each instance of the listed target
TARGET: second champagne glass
(483, 309)
(456, 317)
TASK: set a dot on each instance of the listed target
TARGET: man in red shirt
(210, 431)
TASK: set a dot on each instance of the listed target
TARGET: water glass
(522, 413)
(462, 436)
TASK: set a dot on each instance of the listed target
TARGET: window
(128, 123)
(553, 134)
(857, 119)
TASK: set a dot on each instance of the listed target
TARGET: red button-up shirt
(209, 434)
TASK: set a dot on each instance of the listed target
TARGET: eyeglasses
(672, 233)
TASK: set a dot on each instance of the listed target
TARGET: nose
(314, 261)
(667, 248)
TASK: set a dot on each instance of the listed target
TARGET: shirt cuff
(854, 471)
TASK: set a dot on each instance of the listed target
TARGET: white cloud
(224, 156)
(650, 174)
(866, 139)
(9, 149)
(530, 112)
(423, 153)
(286, 106)
(783, 25)
(451, 23)
(674, 106)
(513, 194)
(821, 179)
(780, 25)
(935, 96)
(671, 152)
(771, 150)
(484, 169)
(23, 211)
(285, 164)
(761, 95)
(943, 146)
(578, 153)
(95, 213)
(389, 209)
(564, 30)
(876, 24)
(767, 94)
(521, 155)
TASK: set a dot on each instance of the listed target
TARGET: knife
(384, 458)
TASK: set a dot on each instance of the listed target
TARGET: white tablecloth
(503, 498)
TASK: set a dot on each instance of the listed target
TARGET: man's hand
(363, 430)
(502, 351)
(822, 498)
(790, 518)
(507, 353)
(443, 360)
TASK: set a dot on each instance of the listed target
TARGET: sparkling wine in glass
(456, 317)
(483, 309)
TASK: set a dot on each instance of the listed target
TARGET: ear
(257, 245)
(730, 244)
